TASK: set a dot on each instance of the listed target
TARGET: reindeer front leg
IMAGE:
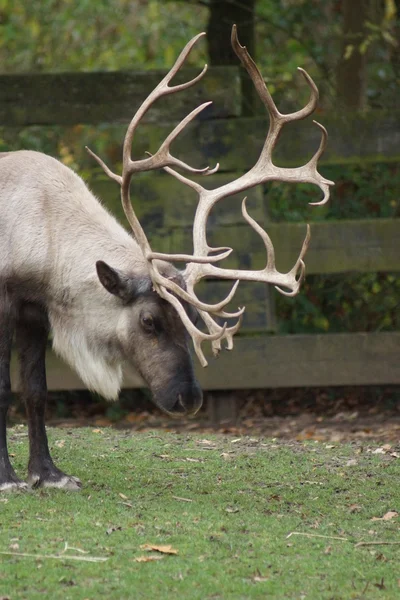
(32, 334)
(8, 479)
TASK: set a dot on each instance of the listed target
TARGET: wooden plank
(342, 246)
(301, 360)
(280, 361)
(233, 142)
(259, 314)
(162, 202)
(336, 246)
(70, 98)
(236, 143)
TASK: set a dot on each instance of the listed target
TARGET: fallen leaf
(123, 496)
(14, 546)
(111, 530)
(167, 549)
(380, 585)
(381, 557)
(60, 443)
(390, 515)
(147, 558)
(98, 431)
(180, 499)
(354, 508)
(275, 497)
(387, 517)
(351, 463)
(231, 509)
(328, 550)
(258, 578)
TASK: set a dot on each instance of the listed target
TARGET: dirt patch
(328, 414)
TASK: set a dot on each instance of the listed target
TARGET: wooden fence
(166, 209)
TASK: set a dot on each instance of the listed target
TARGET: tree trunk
(351, 75)
(395, 50)
(223, 14)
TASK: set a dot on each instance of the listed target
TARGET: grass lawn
(226, 505)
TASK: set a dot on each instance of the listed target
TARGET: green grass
(246, 497)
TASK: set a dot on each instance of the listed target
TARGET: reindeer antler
(202, 264)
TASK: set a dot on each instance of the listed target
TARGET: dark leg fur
(32, 333)
(8, 478)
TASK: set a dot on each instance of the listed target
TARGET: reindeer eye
(147, 322)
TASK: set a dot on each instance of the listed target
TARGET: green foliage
(309, 34)
(350, 303)
(361, 190)
(141, 34)
(88, 35)
(227, 506)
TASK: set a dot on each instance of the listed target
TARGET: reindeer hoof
(13, 486)
(65, 482)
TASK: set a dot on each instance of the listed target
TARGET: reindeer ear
(117, 283)
(112, 280)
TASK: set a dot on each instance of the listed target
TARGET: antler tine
(325, 183)
(230, 332)
(262, 89)
(197, 336)
(230, 315)
(193, 184)
(311, 105)
(163, 157)
(190, 257)
(181, 60)
(108, 172)
(189, 296)
(297, 283)
(264, 236)
(295, 269)
(226, 332)
(254, 72)
(163, 89)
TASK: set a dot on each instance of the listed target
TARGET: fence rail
(277, 362)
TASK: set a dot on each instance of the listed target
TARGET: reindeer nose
(188, 402)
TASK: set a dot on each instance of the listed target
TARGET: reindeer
(69, 268)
